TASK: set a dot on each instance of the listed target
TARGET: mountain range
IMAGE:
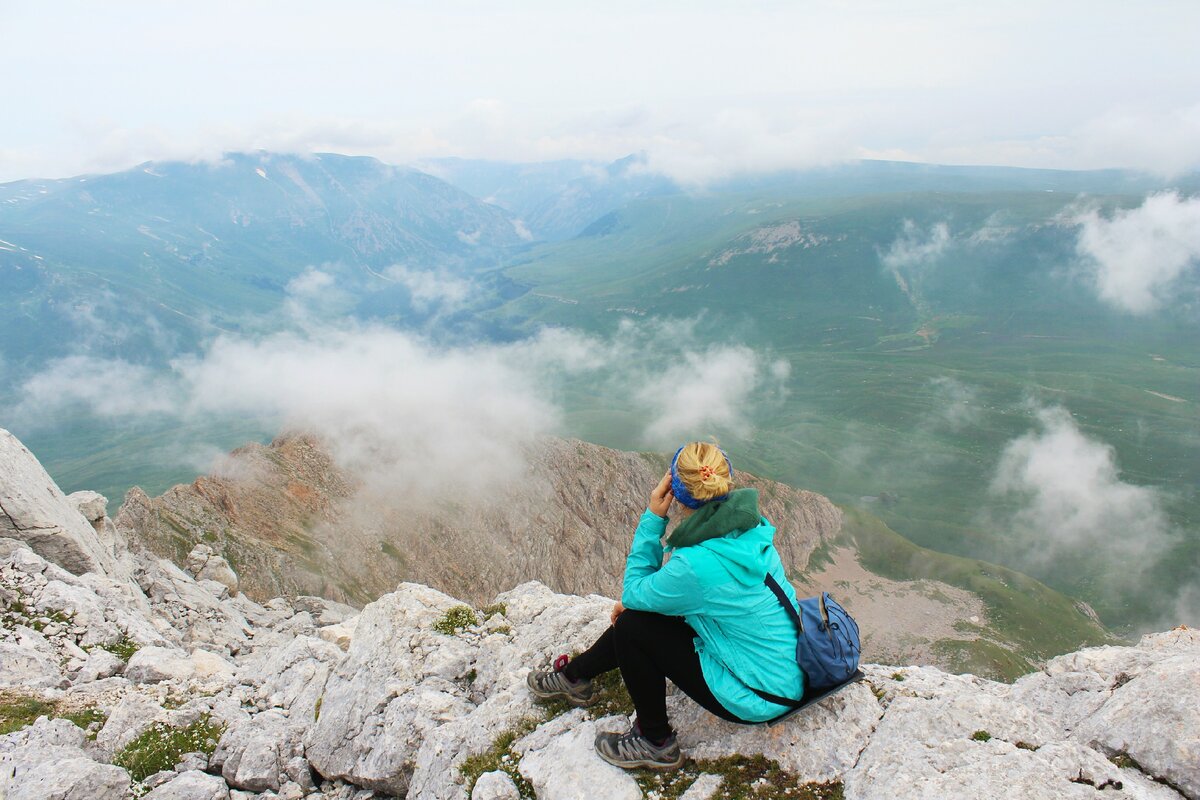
(928, 318)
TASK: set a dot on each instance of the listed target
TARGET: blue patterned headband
(681, 492)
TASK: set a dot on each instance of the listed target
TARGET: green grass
(160, 746)
(123, 648)
(1035, 622)
(19, 710)
(742, 778)
(499, 756)
(456, 619)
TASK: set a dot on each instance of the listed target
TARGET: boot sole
(643, 764)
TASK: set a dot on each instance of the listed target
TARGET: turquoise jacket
(713, 578)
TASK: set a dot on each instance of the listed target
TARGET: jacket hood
(732, 529)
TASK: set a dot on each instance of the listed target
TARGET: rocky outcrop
(292, 523)
(34, 510)
(427, 700)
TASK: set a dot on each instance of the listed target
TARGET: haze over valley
(979, 357)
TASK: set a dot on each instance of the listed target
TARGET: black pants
(649, 648)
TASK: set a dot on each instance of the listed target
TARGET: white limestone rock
(340, 634)
(1154, 717)
(100, 664)
(291, 677)
(191, 785)
(931, 744)
(324, 612)
(22, 666)
(543, 625)
(210, 669)
(92, 505)
(819, 744)
(703, 788)
(436, 768)
(381, 701)
(565, 766)
(34, 510)
(204, 564)
(132, 714)
(254, 755)
(156, 664)
(46, 761)
(194, 613)
(495, 785)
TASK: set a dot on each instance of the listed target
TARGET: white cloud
(310, 283)
(414, 417)
(522, 230)
(432, 288)
(956, 405)
(1135, 257)
(915, 248)
(698, 392)
(1166, 142)
(312, 296)
(105, 387)
(1067, 501)
(394, 409)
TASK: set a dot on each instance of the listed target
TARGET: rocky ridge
(291, 521)
(156, 680)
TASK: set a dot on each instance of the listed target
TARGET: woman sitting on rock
(703, 617)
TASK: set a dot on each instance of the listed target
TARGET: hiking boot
(548, 684)
(631, 750)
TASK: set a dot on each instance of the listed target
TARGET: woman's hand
(616, 612)
(661, 496)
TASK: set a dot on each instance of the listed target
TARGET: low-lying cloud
(417, 417)
(956, 405)
(1136, 257)
(1067, 501)
(915, 247)
(432, 289)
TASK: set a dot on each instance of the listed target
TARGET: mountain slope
(142, 263)
(923, 332)
(133, 677)
(291, 522)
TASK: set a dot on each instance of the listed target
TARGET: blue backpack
(828, 647)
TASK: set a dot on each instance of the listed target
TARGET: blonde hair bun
(704, 470)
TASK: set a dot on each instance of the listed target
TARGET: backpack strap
(774, 586)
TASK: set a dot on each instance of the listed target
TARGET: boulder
(100, 664)
(132, 714)
(325, 612)
(821, 744)
(156, 664)
(204, 564)
(254, 755)
(191, 785)
(291, 677)
(23, 667)
(46, 761)
(559, 759)
(340, 634)
(34, 510)
(1153, 717)
(495, 785)
(381, 701)
(92, 505)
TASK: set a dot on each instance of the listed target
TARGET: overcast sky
(703, 88)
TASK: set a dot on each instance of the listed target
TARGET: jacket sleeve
(649, 586)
